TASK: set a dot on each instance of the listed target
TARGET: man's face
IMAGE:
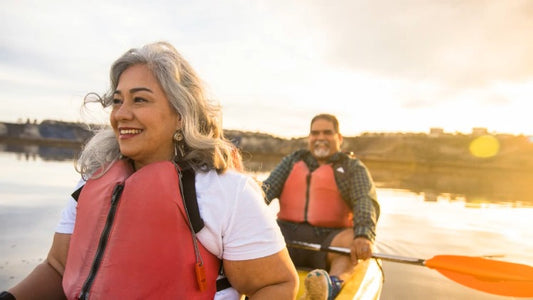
(323, 141)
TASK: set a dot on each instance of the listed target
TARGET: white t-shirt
(238, 223)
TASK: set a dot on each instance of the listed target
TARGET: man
(329, 198)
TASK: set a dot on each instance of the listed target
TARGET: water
(423, 213)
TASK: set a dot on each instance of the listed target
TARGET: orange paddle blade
(491, 276)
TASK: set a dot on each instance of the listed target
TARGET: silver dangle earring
(180, 144)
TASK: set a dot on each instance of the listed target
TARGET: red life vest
(149, 251)
(313, 197)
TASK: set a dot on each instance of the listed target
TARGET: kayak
(366, 282)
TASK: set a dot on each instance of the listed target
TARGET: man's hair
(327, 117)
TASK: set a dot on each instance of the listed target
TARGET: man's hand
(361, 249)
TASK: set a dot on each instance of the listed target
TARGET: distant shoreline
(514, 153)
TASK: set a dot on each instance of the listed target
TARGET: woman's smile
(125, 133)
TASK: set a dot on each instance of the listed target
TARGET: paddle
(487, 275)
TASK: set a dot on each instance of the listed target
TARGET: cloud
(457, 43)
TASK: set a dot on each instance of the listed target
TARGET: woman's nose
(123, 112)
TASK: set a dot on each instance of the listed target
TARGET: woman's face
(142, 118)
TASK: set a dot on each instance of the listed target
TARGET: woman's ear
(179, 124)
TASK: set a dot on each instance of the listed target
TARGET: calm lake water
(424, 212)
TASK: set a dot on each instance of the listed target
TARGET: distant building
(435, 131)
(3, 129)
(479, 131)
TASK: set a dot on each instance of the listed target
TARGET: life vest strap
(222, 284)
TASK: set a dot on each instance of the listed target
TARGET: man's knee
(343, 238)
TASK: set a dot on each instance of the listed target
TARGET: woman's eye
(116, 101)
(139, 99)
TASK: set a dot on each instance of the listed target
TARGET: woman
(133, 232)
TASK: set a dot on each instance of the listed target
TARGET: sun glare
(485, 146)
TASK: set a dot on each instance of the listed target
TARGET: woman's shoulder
(228, 181)
(228, 175)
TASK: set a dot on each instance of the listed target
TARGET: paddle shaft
(346, 251)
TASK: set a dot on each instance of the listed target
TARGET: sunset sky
(380, 66)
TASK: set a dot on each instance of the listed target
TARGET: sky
(379, 66)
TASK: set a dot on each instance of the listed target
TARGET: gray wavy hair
(205, 144)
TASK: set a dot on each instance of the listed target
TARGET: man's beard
(319, 151)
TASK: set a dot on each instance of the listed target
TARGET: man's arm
(364, 202)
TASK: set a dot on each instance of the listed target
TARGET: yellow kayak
(366, 282)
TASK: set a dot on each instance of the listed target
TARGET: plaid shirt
(355, 185)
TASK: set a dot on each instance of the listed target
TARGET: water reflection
(31, 151)
(475, 187)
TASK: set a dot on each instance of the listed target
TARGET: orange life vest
(148, 251)
(313, 197)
